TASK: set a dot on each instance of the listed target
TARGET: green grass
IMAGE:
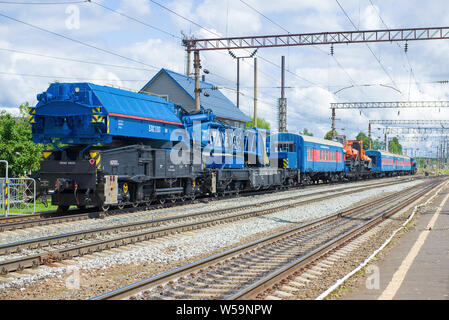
(39, 207)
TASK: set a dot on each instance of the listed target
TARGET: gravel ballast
(161, 254)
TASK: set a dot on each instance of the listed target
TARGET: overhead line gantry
(403, 127)
(386, 105)
(306, 39)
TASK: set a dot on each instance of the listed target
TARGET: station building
(180, 89)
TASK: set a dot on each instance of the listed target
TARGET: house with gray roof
(180, 89)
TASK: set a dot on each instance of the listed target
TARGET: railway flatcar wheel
(161, 200)
(105, 207)
(121, 206)
(135, 204)
(192, 197)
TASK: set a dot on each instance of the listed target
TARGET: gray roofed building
(179, 89)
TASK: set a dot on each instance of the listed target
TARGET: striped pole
(6, 192)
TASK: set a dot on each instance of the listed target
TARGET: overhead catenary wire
(64, 77)
(78, 41)
(74, 60)
(219, 35)
(399, 46)
(148, 25)
(42, 2)
(136, 20)
(216, 34)
(372, 52)
(318, 48)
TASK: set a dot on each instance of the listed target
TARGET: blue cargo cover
(85, 113)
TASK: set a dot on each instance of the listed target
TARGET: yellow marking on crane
(46, 154)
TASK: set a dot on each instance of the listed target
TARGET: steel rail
(258, 287)
(35, 221)
(171, 275)
(43, 218)
(13, 222)
(79, 250)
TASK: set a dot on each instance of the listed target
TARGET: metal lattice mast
(282, 101)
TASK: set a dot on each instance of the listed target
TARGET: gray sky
(313, 76)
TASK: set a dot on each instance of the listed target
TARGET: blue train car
(85, 113)
(413, 168)
(126, 148)
(386, 163)
(317, 159)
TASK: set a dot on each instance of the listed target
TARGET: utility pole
(197, 66)
(333, 123)
(5, 191)
(188, 64)
(369, 135)
(238, 83)
(238, 72)
(447, 154)
(283, 100)
(438, 159)
(255, 92)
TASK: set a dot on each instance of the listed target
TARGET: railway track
(246, 271)
(48, 218)
(35, 252)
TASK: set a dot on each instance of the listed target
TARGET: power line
(372, 52)
(218, 35)
(136, 20)
(78, 41)
(399, 46)
(74, 60)
(63, 77)
(281, 27)
(182, 17)
(44, 3)
(166, 32)
(275, 23)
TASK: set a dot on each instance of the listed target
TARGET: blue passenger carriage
(317, 159)
(388, 164)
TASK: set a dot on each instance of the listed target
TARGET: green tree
(378, 145)
(16, 143)
(361, 136)
(307, 133)
(394, 146)
(328, 135)
(261, 123)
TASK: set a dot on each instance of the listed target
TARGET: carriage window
(286, 147)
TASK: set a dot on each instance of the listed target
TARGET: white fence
(17, 196)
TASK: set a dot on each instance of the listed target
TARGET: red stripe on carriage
(143, 118)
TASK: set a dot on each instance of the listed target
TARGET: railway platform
(417, 266)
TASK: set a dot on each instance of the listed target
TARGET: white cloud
(369, 19)
(308, 105)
